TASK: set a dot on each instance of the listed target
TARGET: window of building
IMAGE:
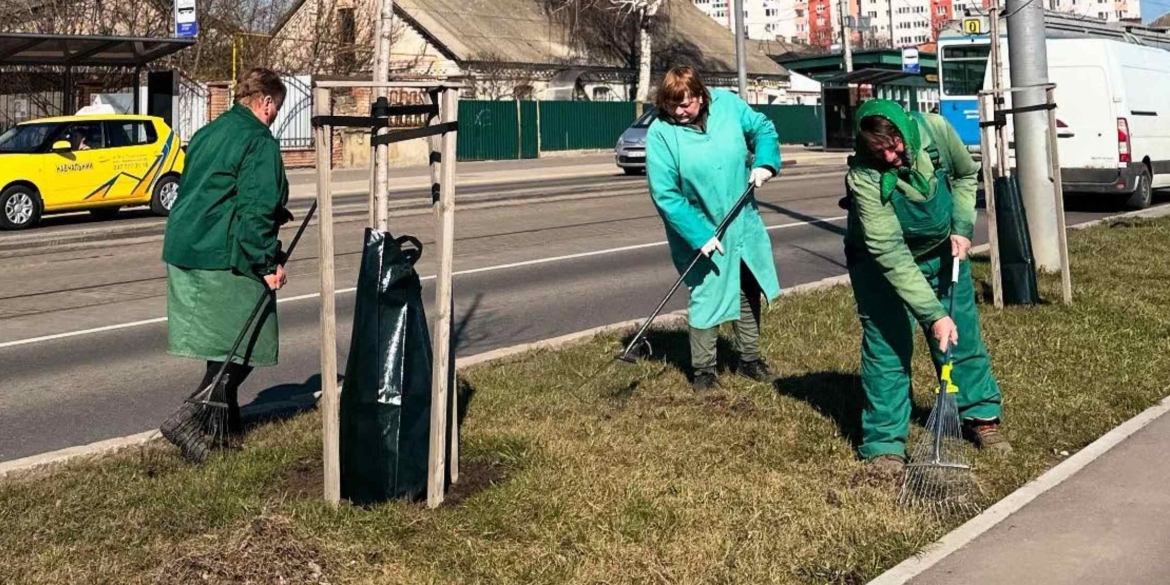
(347, 35)
(346, 26)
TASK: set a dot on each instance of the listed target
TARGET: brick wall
(299, 159)
(219, 96)
(350, 146)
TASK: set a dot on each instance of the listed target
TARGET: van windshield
(26, 138)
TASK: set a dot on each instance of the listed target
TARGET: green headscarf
(892, 111)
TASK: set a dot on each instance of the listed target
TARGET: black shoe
(704, 381)
(757, 370)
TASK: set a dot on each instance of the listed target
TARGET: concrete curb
(672, 318)
(109, 446)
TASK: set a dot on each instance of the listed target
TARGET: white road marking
(343, 291)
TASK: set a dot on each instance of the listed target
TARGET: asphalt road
(82, 340)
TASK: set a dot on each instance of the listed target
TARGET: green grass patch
(630, 479)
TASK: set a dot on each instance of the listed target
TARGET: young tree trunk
(644, 58)
(646, 14)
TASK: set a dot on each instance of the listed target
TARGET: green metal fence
(583, 125)
(795, 124)
(488, 130)
(529, 127)
(508, 130)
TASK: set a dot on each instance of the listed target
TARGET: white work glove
(760, 175)
(711, 246)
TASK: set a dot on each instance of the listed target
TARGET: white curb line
(961, 536)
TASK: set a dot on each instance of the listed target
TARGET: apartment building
(878, 22)
(764, 20)
(1110, 10)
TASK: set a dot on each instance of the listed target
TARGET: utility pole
(846, 36)
(740, 49)
(1028, 56)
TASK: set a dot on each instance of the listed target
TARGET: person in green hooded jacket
(911, 200)
(697, 164)
(221, 247)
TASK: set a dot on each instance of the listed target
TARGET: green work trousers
(887, 346)
(747, 329)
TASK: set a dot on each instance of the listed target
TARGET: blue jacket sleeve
(679, 212)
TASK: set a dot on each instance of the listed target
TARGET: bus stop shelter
(877, 73)
(46, 66)
(843, 94)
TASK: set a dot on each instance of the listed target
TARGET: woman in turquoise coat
(697, 162)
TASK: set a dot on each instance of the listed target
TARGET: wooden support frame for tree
(441, 133)
(995, 117)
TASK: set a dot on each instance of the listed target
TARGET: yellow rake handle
(945, 380)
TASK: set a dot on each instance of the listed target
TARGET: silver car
(630, 151)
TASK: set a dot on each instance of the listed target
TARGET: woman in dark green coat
(912, 187)
(221, 246)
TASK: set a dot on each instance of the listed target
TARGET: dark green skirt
(207, 309)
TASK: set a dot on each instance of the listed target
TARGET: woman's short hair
(260, 81)
(679, 83)
(877, 133)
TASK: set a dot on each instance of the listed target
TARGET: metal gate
(294, 124)
(192, 114)
(26, 94)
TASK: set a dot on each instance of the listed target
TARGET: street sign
(186, 21)
(974, 26)
(910, 60)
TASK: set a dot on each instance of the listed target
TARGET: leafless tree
(494, 79)
(603, 22)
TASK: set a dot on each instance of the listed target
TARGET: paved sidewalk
(1107, 523)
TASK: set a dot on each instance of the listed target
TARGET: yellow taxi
(96, 162)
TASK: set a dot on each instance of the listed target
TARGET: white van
(1113, 116)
